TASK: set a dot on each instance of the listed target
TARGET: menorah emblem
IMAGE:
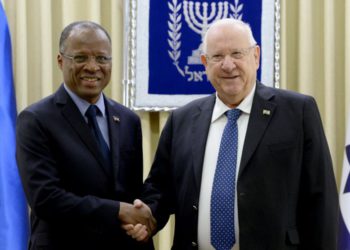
(199, 19)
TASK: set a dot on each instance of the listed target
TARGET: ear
(257, 56)
(204, 60)
(60, 61)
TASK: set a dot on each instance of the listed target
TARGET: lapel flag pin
(266, 112)
(116, 118)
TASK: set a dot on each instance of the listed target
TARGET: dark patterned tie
(222, 224)
(91, 115)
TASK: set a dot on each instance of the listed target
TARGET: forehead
(88, 39)
(227, 36)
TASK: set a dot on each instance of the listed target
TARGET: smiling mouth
(90, 79)
(230, 77)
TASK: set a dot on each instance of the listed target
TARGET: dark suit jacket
(287, 196)
(74, 197)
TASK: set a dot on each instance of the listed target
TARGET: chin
(233, 90)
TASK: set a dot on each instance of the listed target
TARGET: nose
(228, 63)
(91, 64)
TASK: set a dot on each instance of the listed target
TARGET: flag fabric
(344, 197)
(13, 206)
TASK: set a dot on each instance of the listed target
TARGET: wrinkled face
(231, 62)
(86, 77)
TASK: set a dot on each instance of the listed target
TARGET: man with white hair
(248, 167)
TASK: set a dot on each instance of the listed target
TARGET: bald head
(231, 59)
(228, 22)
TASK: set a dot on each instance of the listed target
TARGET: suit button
(242, 194)
(194, 244)
(195, 208)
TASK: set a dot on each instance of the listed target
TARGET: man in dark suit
(81, 170)
(283, 188)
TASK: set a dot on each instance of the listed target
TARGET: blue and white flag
(13, 207)
(344, 197)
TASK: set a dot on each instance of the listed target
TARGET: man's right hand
(137, 220)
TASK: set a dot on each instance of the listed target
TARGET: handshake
(137, 220)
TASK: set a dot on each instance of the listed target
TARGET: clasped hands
(137, 220)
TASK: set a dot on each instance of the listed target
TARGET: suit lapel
(72, 115)
(200, 127)
(114, 135)
(260, 116)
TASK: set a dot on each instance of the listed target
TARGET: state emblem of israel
(179, 27)
(165, 45)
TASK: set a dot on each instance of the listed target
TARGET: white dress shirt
(218, 122)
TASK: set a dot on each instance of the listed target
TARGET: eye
(80, 58)
(217, 58)
(237, 54)
(103, 59)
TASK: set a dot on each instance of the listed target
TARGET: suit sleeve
(318, 205)
(158, 193)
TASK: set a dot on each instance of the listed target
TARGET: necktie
(91, 115)
(222, 224)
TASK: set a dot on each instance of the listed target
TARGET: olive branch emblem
(174, 33)
(236, 9)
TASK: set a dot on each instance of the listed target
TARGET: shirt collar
(83, 105)
(245, 106)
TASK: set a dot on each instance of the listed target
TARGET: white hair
(232, 22)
